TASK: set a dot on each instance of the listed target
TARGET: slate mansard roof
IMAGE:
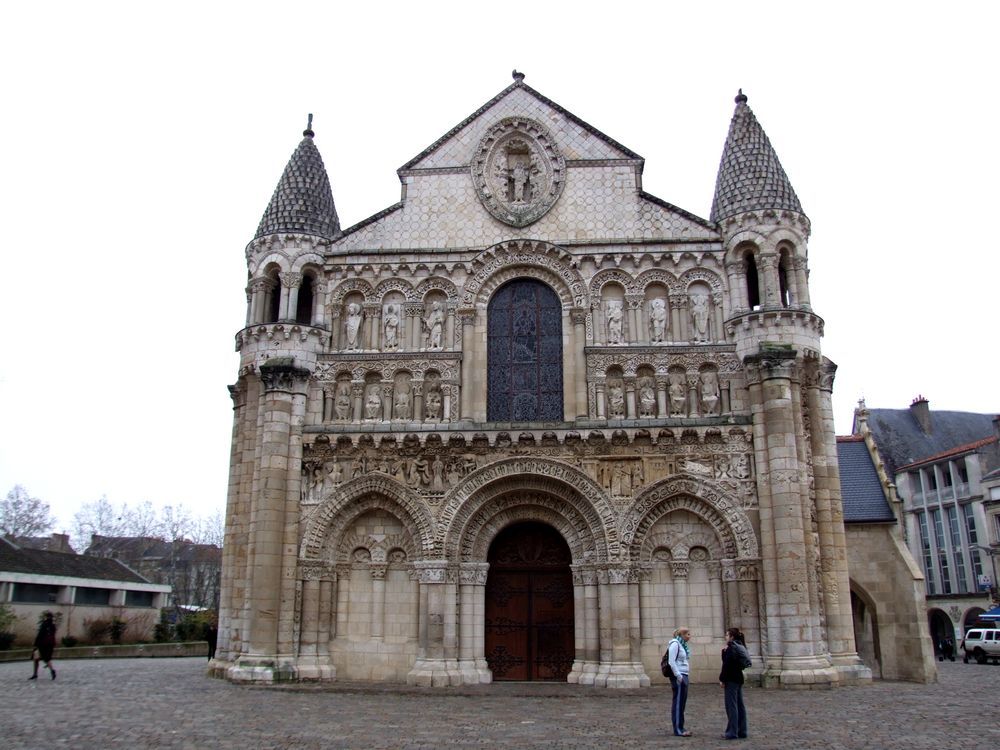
(302, 202)
(750, 176)
(901, 441)
(15, 559)
(861, 490)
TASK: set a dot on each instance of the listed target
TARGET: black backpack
(665, 664)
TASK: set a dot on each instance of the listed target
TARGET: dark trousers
(680, 687)
(736, 712)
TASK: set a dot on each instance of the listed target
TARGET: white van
(981, 644)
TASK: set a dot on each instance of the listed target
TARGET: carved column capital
(680, 569)
(290, 279)
(281, 374)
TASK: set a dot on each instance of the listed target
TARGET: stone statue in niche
(616, 400)
(434, 325)
(678, 396)
(709, 393)
(437, 473)
(353, 325)
(342, 402)
(647, 398)
(416, 472)
(616, 322)
(391, 317)
(621, 479)
(334, 471)
(432, 404)
(658, 319)
(741, 467)
(517, 170)
(699, 316)
(373, 402)
(401, 403)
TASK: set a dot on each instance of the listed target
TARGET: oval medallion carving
(518, 171)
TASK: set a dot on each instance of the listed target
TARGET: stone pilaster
(437, 662)
(790, 619)
(268, 655)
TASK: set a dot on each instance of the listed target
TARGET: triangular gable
(576, 139)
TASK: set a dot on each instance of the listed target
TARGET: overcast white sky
(141, 144)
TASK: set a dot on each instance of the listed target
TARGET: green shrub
(7, 618)
(6, 641)
(69, 641)
(116, 629)
(97, 630)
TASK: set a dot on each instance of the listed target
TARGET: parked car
(981, 644)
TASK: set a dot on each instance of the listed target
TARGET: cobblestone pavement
(169, 703)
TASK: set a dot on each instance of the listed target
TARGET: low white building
(78, 589)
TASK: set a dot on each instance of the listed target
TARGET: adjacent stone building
(529, 419)
(940, 463)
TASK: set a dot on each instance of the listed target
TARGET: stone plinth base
(435, 673)
(475, 672)
(265, 670)
(620, 675)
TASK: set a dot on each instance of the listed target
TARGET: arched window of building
(304, 306)
(273, 306)
(524, 354)
(753, 280)
(784, 271)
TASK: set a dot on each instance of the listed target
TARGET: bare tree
(24, 515)
(98, 517)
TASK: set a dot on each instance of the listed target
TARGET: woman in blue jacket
(679, 654)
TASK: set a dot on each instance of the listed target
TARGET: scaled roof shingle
(863, 496)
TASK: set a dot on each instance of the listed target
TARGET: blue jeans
(736, 712)
(680, 687)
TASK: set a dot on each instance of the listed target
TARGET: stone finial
(308, 132)
(517, 76)
(741, 97)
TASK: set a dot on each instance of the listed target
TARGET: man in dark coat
(45, 644)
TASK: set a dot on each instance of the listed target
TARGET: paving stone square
(169, 703)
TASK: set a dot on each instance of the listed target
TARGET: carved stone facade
(529, 338)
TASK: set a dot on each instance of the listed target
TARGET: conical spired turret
(302, 203)
(750, 176)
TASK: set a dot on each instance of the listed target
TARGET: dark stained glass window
(524, 354)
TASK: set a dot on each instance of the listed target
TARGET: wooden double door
(529, 604)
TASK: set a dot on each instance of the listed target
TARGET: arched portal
(524, 354)
(529, 604)
(942, 631)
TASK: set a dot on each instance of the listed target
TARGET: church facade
(530, 419)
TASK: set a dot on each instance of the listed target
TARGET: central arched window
(524, 354)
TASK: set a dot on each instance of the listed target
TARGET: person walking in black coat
(45, 644)
(731, 679)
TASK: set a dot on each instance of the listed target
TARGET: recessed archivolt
(700, 274)
(654, 276)
(525, 259)
(483, 528)
(346, 503)
(394, 285)
(722, 512)
(277, 258)
(552, 484)
(351, 285)
(436, 284)
(313, 259)
(611, 276)
(352, 541)
(680, 545)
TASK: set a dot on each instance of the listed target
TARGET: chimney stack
(921, 411)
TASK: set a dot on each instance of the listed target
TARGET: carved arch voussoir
(611, 276)
(654, 276)
(393, 285)
(436, 284)
(349, 501)
(550, 483)
(525, 259)
(346, 287)
(705, 499)
(277, 258)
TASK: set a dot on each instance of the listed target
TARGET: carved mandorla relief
(518, 171)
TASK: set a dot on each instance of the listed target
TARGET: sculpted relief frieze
(609, 475)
